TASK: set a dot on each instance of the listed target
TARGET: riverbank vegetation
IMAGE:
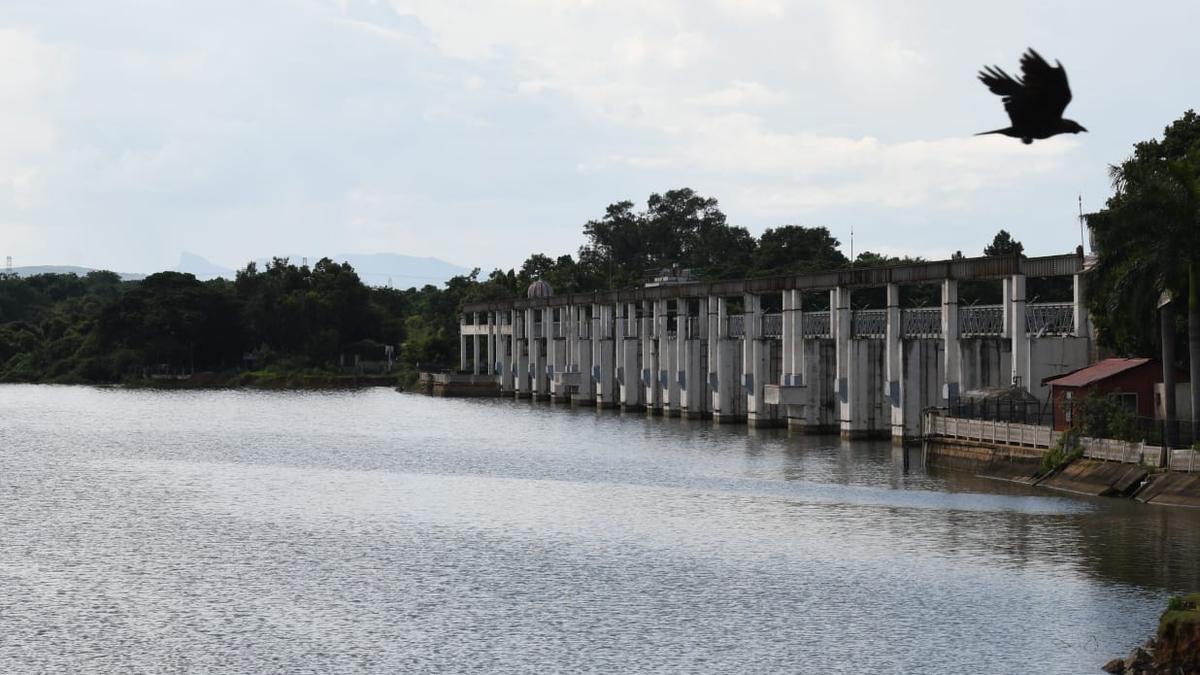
(273, 326)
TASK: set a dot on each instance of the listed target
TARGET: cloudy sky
(479, 132)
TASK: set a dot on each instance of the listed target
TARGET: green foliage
(1146, 237)
(283, 319)
(1102, 417)
(1064, 451)
(1003, 245)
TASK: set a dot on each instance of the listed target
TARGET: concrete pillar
(1080, 306)
(691, 377)
(475, 343)
(951, 354)
(506, 350)
(462, 343)
(840, 324)
(713, 316)
(1020, 339)
(541, 357)
(1006, 307)
(604, 356)
(668, 359)
(555, 347)
(792, 374)
(584, 339)
(727, 390)
(753, 373)
(892, 355)
(490, 361)
(650, 356)
(630, 373)
(523, 348)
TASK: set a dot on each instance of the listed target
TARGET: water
(376, 532)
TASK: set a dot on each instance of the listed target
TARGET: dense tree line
(284, 317)
(289, 318)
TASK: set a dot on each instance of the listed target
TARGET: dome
(539, 289)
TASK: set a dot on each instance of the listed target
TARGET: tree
(794, 248)
(1147, 245)
(1003, 244)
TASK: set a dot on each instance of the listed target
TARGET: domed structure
(539, 289)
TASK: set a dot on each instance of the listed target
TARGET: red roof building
(1129, 382)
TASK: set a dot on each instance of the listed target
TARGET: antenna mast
(1082, 243)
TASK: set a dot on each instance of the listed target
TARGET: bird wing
(1045, 85)
(1016, 99)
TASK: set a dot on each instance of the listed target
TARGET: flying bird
(1034, 102)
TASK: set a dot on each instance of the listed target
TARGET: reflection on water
(379, 532)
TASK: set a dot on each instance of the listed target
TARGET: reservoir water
(378, 532)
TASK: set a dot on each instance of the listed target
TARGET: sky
(481, 132)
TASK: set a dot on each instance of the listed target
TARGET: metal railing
(980, 320)
(772, 325)
(815, 325)
(735, 325)
(869, 323)
(697, 327)
(921, 322)
(539, 331)
(1050, 318)
(556, 329)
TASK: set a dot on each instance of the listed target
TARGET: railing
(1112, 450)
(557, 329)
(772, 325)
(735, 325)
(1183, 460)
(1056, 318)
(585, 330)
(986, 431)
(981, 320)
(697, 327)
(869, 323)
(538, 331)
(815, 325)
(924, 322)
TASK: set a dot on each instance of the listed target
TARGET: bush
(1064, 451)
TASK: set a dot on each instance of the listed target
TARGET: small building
(1128, 382)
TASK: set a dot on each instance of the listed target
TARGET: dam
(825, 352)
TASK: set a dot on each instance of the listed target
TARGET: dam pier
(846, 351)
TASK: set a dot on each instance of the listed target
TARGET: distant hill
(376, 269)
(34, 270)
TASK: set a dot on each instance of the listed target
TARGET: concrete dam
(747, 351)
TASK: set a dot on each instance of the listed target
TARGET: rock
(1115, 666)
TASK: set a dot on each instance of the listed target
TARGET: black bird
(1035, 102)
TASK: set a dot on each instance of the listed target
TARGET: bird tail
(994, 131)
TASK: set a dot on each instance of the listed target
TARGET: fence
(1056, 318)
(990, 431)
(772, 325)
(816, 324)
(981, 321)
(1038, 436)
(923, 322)
(869, 323)
(1028, 411)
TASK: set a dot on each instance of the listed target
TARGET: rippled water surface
(377, 532)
